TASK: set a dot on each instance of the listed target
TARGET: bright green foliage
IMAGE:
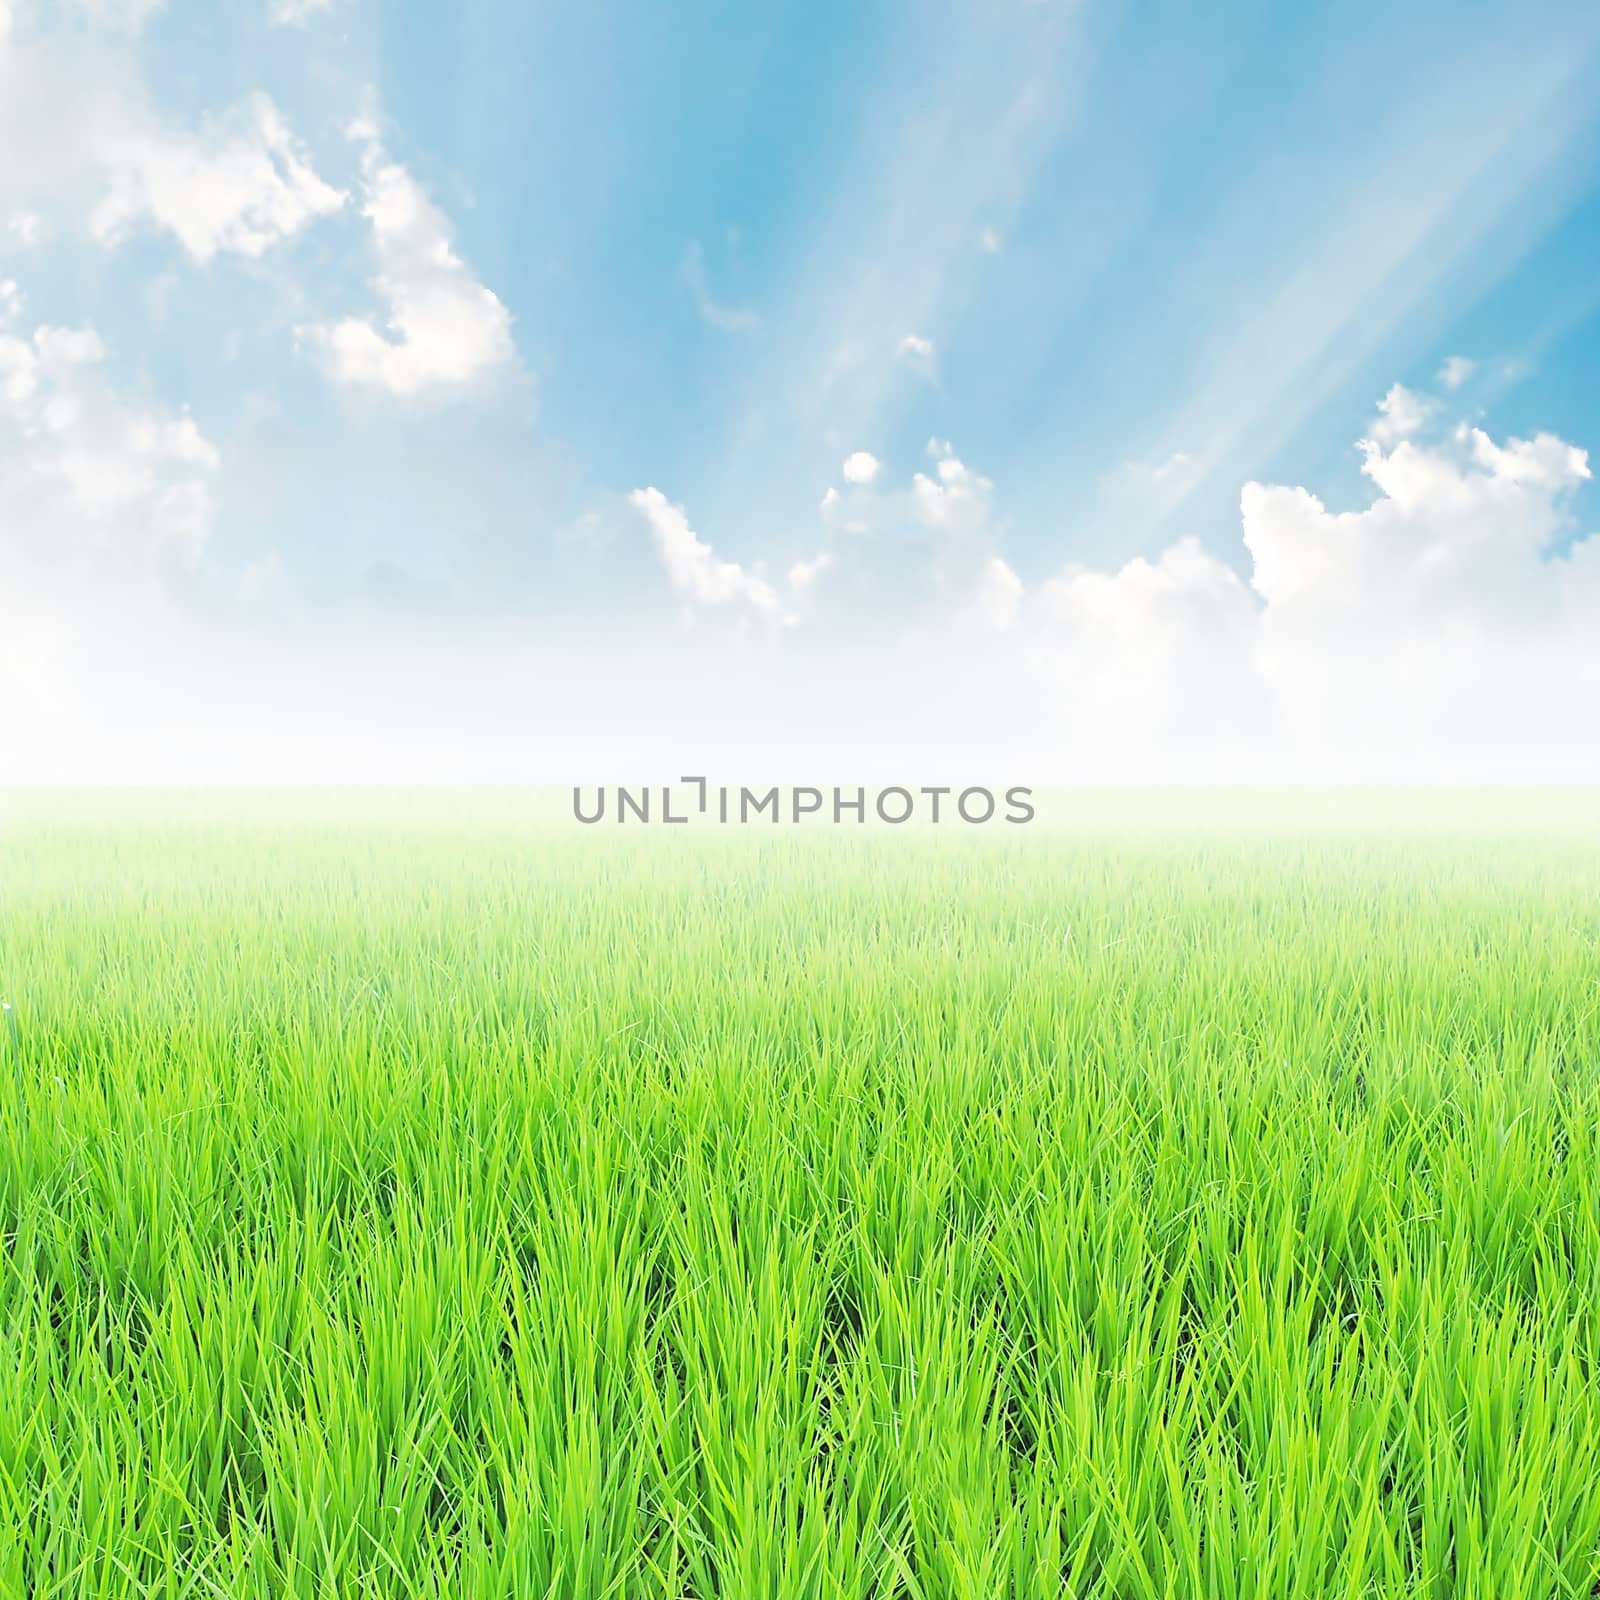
(476, 1210)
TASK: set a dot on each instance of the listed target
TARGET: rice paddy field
(428, 1197)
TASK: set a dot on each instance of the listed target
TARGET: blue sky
(1069, 274)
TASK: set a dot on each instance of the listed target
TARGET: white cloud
(691, 564)
(957, 498)
(1456, 371)
(443, 328)
(1457, 532)
(1544, 461)
(296, 13)
(1401, 413)
(861, 467)
(917, 353)
(241, 184)
(989, 242)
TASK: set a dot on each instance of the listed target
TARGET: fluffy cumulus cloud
(441, 328)
(1401, 413)
(861, 467)
(240, 184)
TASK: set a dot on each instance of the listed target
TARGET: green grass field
(432, 1203)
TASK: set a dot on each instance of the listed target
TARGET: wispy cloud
(725, 318)
(694, 567)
